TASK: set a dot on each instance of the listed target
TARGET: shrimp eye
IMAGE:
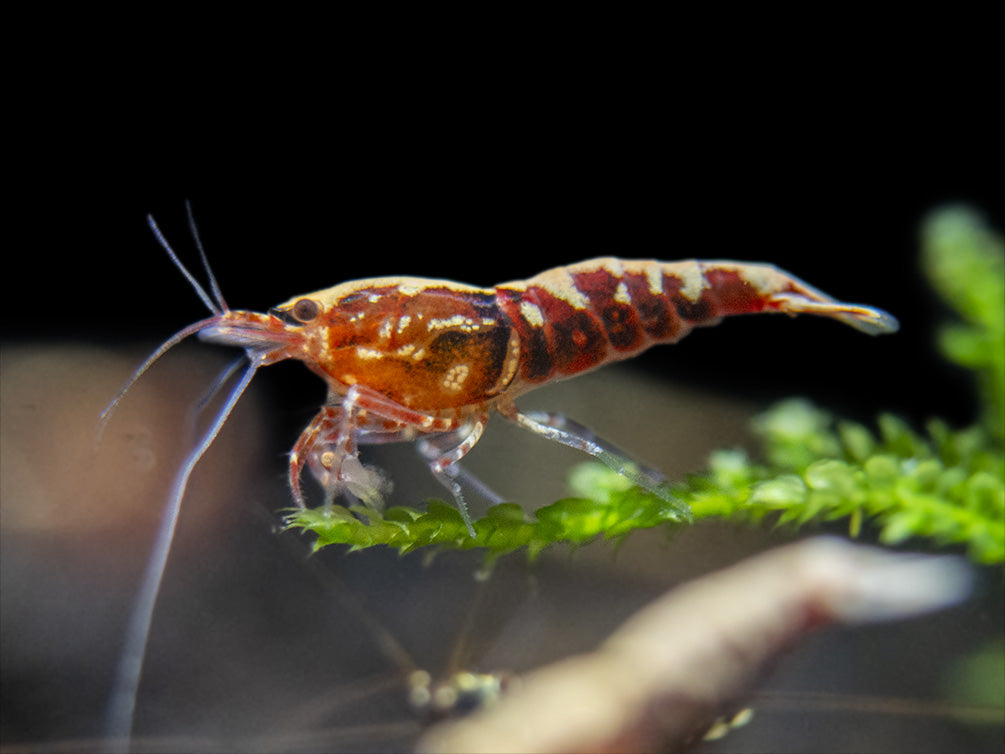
(305, 310)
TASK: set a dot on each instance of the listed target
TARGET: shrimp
(429, 361)
(662, 676)
(413, 359)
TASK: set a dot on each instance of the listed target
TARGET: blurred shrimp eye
(305, 310)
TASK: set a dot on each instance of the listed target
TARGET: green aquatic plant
(943, 485)
(965, 262)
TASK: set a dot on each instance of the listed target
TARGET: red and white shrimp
(414, 359)
(431, 360)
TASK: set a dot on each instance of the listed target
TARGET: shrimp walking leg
(567, 432)
(308, 445)
(564, 423)
(329, 445)
(444, 462)
(432, 448)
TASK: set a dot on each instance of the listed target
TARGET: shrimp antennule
(218, 308)
(213, 285)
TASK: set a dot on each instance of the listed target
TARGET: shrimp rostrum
(414, 359)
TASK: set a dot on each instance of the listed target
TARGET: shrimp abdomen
(576, 318)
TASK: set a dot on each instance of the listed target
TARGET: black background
(836, 197)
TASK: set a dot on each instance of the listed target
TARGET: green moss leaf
(910, 486)
(965, 262)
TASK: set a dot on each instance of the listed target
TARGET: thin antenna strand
(218, 383)
(177, 262)
(213, 285)
(164, 347)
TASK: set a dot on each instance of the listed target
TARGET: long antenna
(218, 308)
(119, 723)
